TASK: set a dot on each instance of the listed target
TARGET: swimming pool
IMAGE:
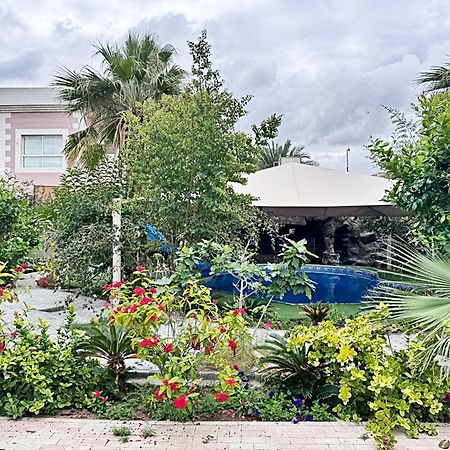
(334, 284)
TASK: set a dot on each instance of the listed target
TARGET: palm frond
(435, 79)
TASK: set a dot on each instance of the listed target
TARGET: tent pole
(117, 252)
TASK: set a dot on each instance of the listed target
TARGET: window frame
(19, 149)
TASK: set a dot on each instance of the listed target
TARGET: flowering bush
(375, 384)
(177, 333)
(40, 374)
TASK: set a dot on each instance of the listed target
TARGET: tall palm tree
(436, 79)
(273, 152)
(133, 72)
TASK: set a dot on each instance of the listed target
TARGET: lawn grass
(288, 311)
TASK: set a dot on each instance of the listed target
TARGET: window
(42, 151)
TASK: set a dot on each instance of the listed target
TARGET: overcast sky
(327, 66)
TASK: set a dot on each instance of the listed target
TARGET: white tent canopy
(294, 190)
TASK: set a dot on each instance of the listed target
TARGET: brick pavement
(81, 434)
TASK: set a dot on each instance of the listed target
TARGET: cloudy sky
(326, 65)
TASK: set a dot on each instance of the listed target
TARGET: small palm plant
(290, 368)
(423, 304)
(111, 343)
(317, 312)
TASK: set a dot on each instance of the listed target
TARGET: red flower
(165, 382)
(14, 334)
(230, 382)
(97, 394)
(153, 318)
(139, 291)
(117, 284)
(140, 268)
(233, 345)
(222, 329)
(181, 402)
(130, 309)
(168, 348)
(18, 269)
(161, 307)
(236, 367)
(105, 399)
(152, 342)
(145, 301)
(174, 386)
(159, 395)
(244, 403)
(2, 347)
(152, 290)
(222, 397)
(25, 266)
(107, 287)
(193, 315)
(215, 301)
(2, 291)
(239, 311)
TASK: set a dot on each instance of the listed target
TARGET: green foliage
(147, 432)
(317, 312)
(425, 307)
(290, 367)
(418, 160)
(272, 153)
(121, 411)
(135, 71)
(39, 374)
(109, 342)
(81, 232)
(191, 152)
(374, 384)
(122, 432)
(19, 225)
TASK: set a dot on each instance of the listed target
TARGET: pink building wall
(17, 121)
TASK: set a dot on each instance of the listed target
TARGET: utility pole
(346, 153)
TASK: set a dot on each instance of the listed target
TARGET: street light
(346, 153)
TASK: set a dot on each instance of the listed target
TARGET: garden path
(82, 434)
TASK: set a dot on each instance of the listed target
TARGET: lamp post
(346, 154)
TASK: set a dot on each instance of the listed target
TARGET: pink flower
(2, 347)
(97, 394)
(107, 287)
(233, 345)
(14, 334)
(181, 402)
(215, 301)
(140, 268)
(107, 305)
(168, 348)
(2, 291)
(18, 269)
(152, 342)
(145, 301)
(222, 397)
(117, 284)
(139, 291)
(222, 330)
(230, 382)
(105, 399)
(152, 290)
(25, 266)
(239, 311)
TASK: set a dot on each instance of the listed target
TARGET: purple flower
(299, 412)
(271, 395)
(256, 412)
(245, 379)
(246, 386)
(298, 402)
(295, 420)
(241, 373)
(309, 417)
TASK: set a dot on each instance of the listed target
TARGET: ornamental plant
(40, 374)
(177, 332)
(377, 385)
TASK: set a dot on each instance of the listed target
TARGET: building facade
(33, 131)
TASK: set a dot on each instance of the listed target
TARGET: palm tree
(136, 71)
(436, 79)
(273, 152)
(424, 306)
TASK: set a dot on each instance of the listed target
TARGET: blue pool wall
(333, 284)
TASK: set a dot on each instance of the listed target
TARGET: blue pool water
(334, 284)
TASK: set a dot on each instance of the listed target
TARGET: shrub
(374, 384)
(39, 374)
(19, 225)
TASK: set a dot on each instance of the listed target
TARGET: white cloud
(327, 66)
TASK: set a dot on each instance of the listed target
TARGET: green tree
(272, 153)
(138, 70)
(183, 153)
(436, 79)
(417, 158)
